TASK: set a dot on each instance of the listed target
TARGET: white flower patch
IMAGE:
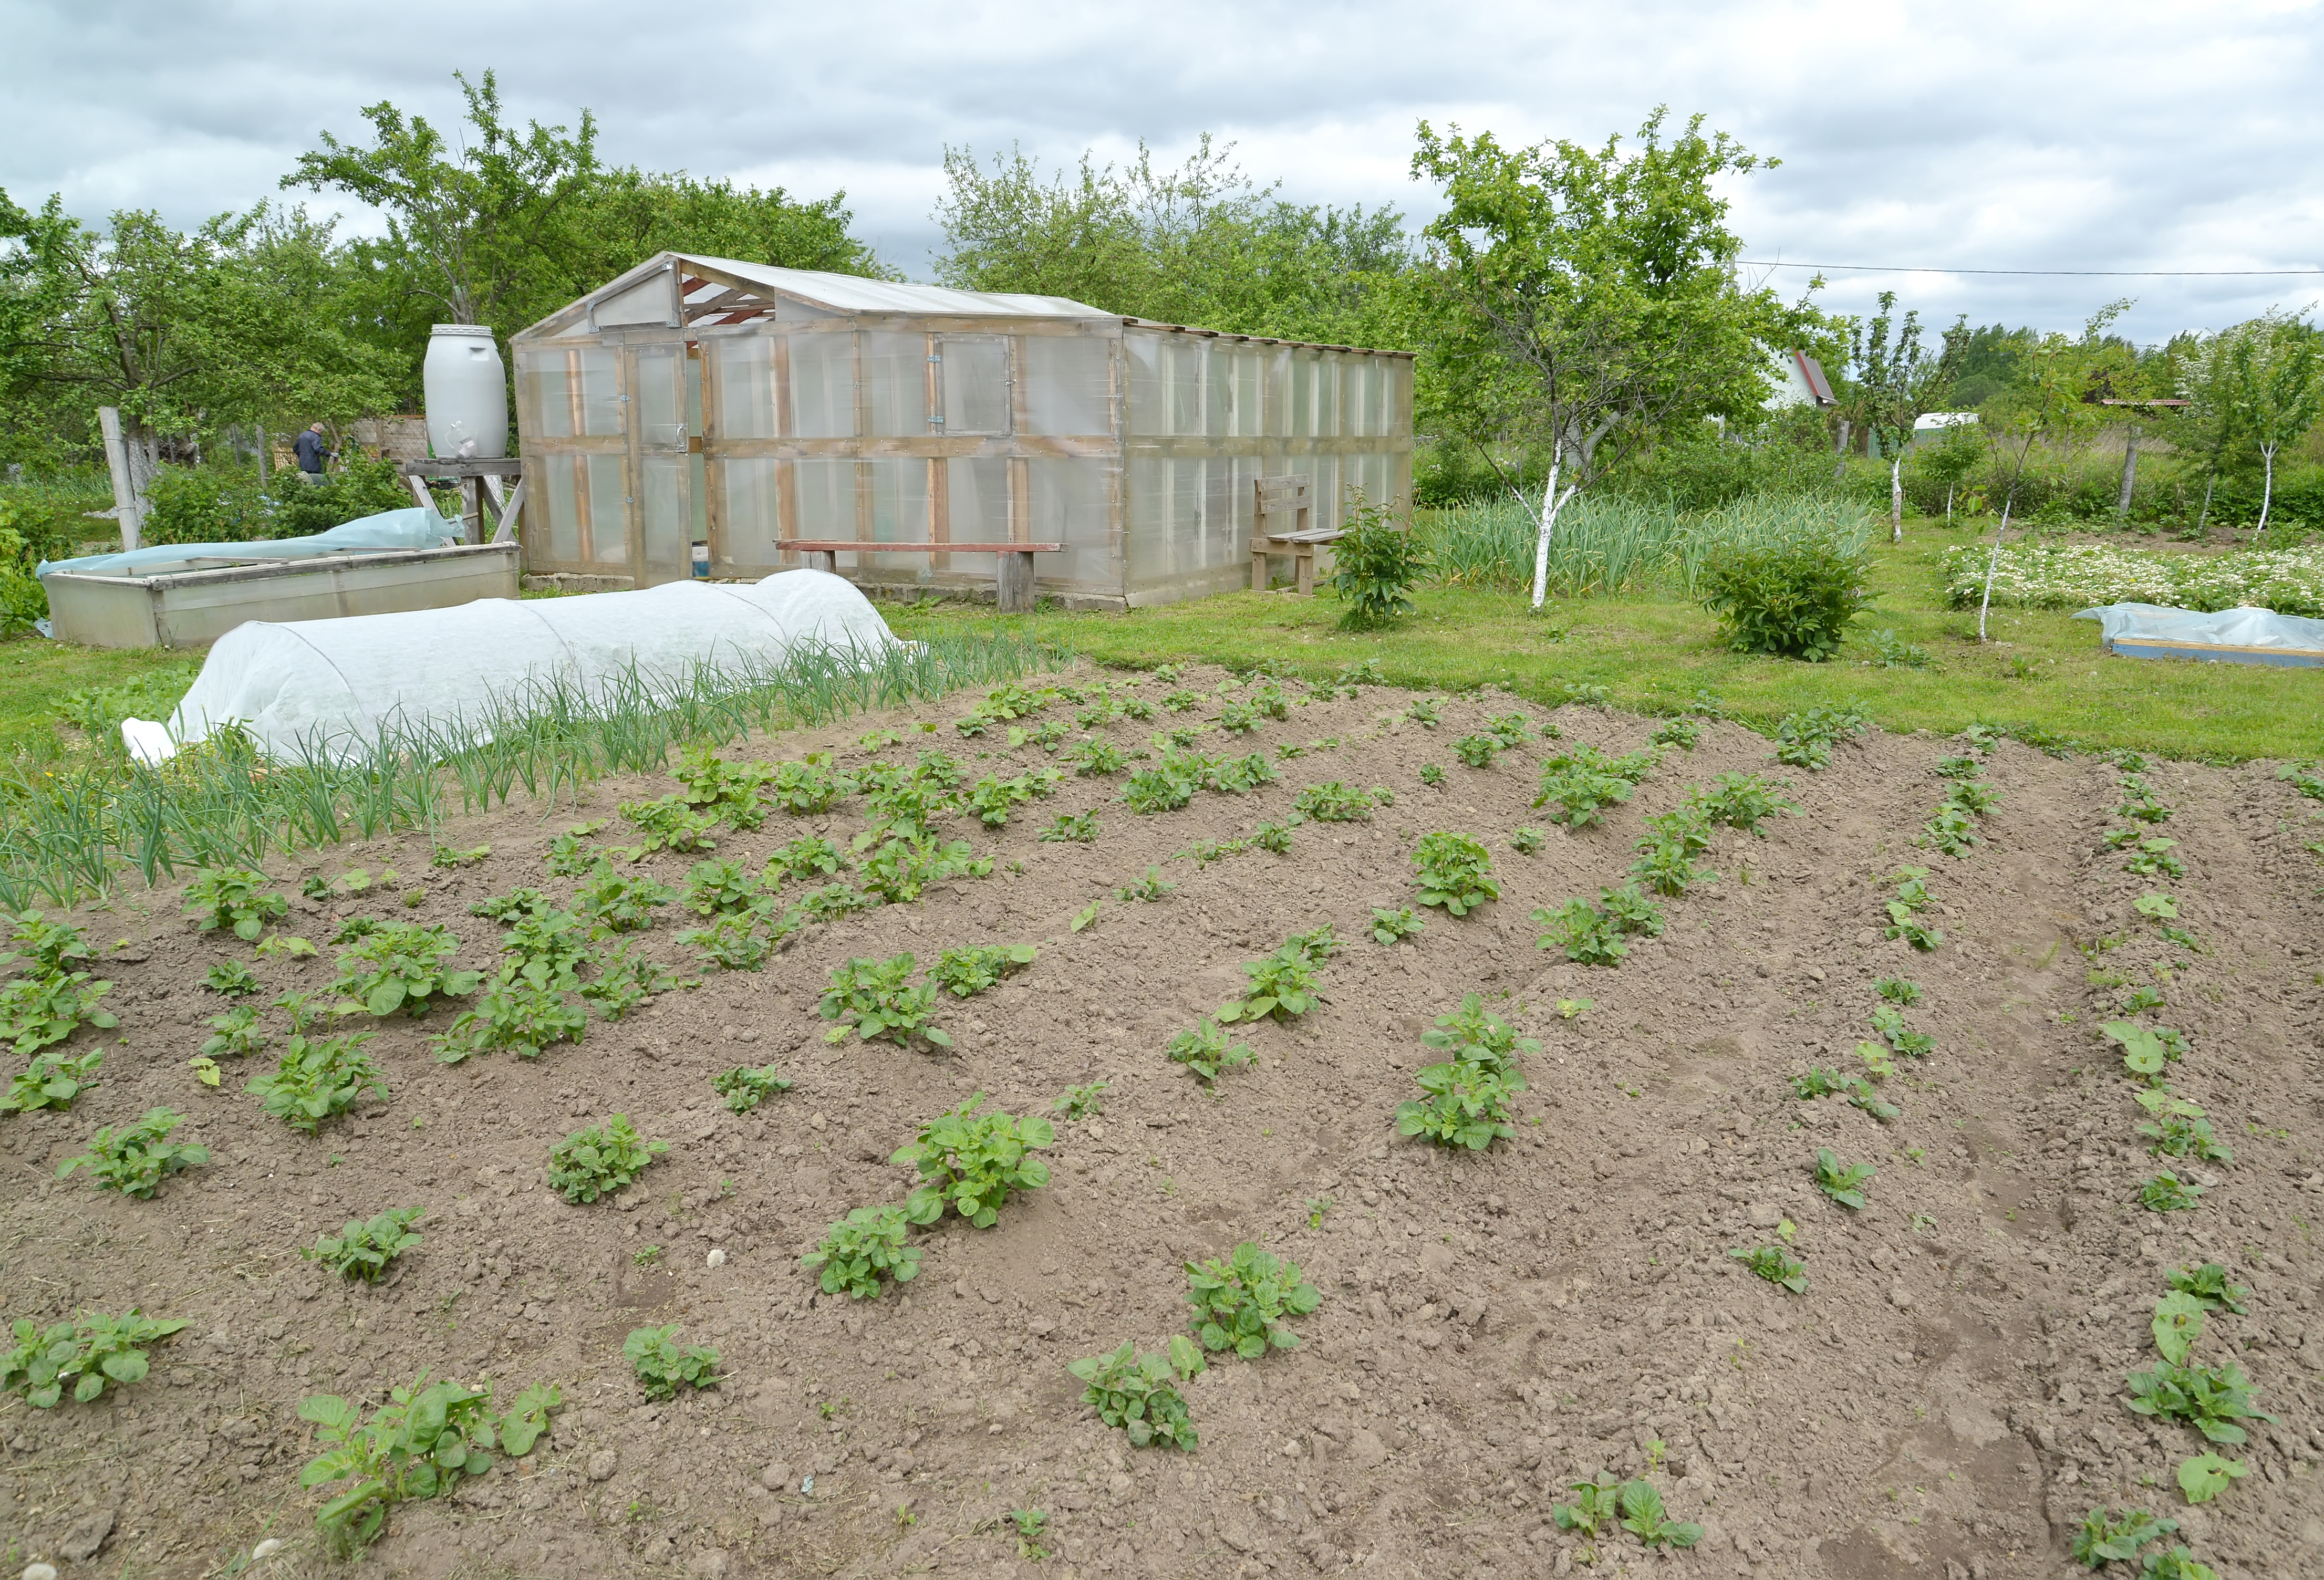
(2038, 576)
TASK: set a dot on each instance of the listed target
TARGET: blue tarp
(2237, 636)
(391, 529)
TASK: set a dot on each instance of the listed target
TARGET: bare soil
(1946, 1399)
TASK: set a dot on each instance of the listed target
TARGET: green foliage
(1526, 841)
(1140, 1393)
(1805, 740)
(2167, 1192)
(600, 1160)
(236, 897)
(1081, 1102)
(568, 857)
(2177, 1323)
(1072, 828)
(402, 965)
(808, 789)
(1275, 837)
(1666, 863)
(49, 1003)
(807, 857)
(1597, 934)
(1773, 1264)
(1464, 1104)
(1206, 1048)
(965, 973)
(1096, 756)
(1283, 986)
(899, 869)
(613, 903)
(669, 823)
(1583, 783)
(524, 1010)
(624, 980)
(1889, 1022)
(1148, 888)
(1431, 774)
(1792, 597)
(1473, 1034)
(1680, 733)
(879, 999)
(992, 798)
(135, 1158)
(1843, 1183)
(1904, 918)
(2203, 1477)
(973, 1163)
(744, 1088)
(2104, 1539)
(1898, 991)
(1244, 1303)
(663, 1365)
(718, 888)
(1333, 802)
(732, 792)
(1477, 750)
(318, 1078)
(85, 1353)
(2209, 1399)
(2208, 1284)
(1453, 871)
(734, 942)
(1378, 559)
(51, 1081)
(1741, 802)
(861, 1248)
(361, 1251)
(1643, 1516)
(231, 978)
(1389, 926)
(416, 1445)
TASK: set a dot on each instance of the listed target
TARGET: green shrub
(1793, 597)
(1377, 560)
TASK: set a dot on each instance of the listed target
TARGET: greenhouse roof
(852, 293)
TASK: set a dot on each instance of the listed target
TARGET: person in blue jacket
(313, 449)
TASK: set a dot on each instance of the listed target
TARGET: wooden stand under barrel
(480, 487)
(1286, 507)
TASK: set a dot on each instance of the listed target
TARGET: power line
(2105, 273)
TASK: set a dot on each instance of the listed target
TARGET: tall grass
(71, 827)
(1617, 545)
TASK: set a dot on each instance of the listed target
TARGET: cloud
(1963, 135)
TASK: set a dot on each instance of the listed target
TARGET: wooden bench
(1013, 584)
(1285, 508)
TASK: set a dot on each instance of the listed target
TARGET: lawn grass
(1657, 651)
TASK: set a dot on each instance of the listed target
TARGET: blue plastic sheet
(415, 528)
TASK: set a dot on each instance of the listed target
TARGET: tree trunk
(2209, 483)
(2267, 490)
(2129, 477)
(1949, 504)
(1551, 502)
(1897, 497)
(265, 447)
(1839, 450)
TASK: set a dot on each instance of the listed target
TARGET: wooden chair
(1286, 507)
(1012, 583)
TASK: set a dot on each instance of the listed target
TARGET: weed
(236, 897)
(662, 1365)
(1073, 828)
(859, 1248)
(1244, 1303)
(965, 973)
(1453, 871)
(1897, 991)
(232, 979)
(1466, 1105)
(1333, 802)
(973, 1163)
(88, 1353)
(1805, 740)
(2167, 1192)
(1140, 1393)
(402, 965)
(1773, 1264)
(1741, 802)
(524, 1011)
(1206, 1048)
(1076, 1103)
(1844, 1184)
(1891, 651)
(135, 1158)
(879, 999)
(2104, 1539)
(361, 1251)
(744, 1088)
(2209, 1399)
(51, 1081)
(1473, 1034)
(600, 1160)
(1282, 987)
(808, 857)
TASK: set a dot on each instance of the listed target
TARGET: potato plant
(972, 1162)
(1390, 926)
(2167, 1192)
(1582, 784)
(85, 1354)
(743, 1088)
(613, 902)
(1473, 1034)
(1666, 863)
(568, 856)
(1912, 898)
(1805, 740)
(52, 1080)
(135, 1158)
(806, 858)
(626, 979)
(49, 1003)
(720, 887)
(669, 823)
(965, 973)
(663, 1365)
(401, 965)
(879, 999)
(1072, 828)
(317, 1078)
(1597, 934)
(1282, 987)
(899, 869)
(807, 789)
(1463, 1104)
(1453, 871)
(859, 1249)
(1206, 1048)
(1772, 1264)
(600, 1160)
(1843, 1182)
(1245, 1303)
(231, 979)
(2213, 1400)
(418, 1445)
(1741, 802)
(1477, 750)
(735, 941)
(523, 1010)
(736, 793)
(1140, 1393)
(2104, 1539)
(1333, 802)
(236, 897)
(361, 1250)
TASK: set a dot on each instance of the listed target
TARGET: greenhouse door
(662, 523)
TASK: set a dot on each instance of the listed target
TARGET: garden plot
(1722, 1196)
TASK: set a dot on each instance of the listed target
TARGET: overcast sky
(2031, 134)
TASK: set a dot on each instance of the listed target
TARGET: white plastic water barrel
(467, 393)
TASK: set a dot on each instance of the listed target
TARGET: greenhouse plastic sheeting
(414, 528)
(333, 686)
(2237, 636)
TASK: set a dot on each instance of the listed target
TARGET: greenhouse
(702, 414)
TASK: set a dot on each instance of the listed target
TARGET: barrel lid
(478, 331)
